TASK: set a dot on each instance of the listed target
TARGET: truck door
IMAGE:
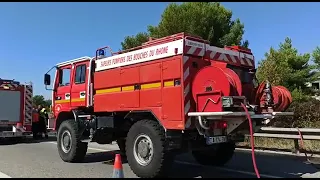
(79, 84)
(63, 96)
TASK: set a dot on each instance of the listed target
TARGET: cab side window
(80, 76)
(64, 78)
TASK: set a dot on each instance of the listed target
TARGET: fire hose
(251, 141)
(305, 153)
(252, 144)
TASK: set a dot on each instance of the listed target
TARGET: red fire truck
(15, 109)
(168, 96)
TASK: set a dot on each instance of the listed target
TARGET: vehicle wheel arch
(63, 116)
(136, 116)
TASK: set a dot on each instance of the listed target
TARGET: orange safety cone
(117, 167)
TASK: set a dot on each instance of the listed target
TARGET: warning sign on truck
(143, 55)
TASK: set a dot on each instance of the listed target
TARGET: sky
(36, 36)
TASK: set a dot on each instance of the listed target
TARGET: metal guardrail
(289, 133)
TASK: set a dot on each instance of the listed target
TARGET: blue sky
(36, 36)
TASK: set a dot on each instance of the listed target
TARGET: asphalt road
(30, 159)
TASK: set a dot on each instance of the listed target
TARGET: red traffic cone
(117, 167)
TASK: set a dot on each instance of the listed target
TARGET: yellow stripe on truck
(127, 88)
(77, 99)
(151, 85)
(168, 83)
(131, 88)
(109, 90)
(68, 100)
(62, 101)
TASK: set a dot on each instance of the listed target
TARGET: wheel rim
(143, 149)
(66, 141)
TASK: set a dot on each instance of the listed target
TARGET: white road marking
(194, 164)
(2, 175)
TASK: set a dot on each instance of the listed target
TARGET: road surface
(30, 159)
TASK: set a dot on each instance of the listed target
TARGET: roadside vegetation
(40, 100)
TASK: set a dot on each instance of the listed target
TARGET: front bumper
(7, 134)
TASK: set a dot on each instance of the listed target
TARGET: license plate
(216, 140)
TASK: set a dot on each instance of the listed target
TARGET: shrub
(298, 95)
(306, 114)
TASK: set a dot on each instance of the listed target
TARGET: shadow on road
(26, 140)
(273, 164)
(103, 157)
(193, 171)
(269, 165)
(239, 167)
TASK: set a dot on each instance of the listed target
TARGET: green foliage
(40, 100)
(210, 21)
(298, 95)
(286, 67)
(134, 41)
(306, 114)
(316, 60)
(316, 56)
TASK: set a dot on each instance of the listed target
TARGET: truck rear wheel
(145, 150)
(215, 156)
(70, 148)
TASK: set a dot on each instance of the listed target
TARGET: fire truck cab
(168, 96)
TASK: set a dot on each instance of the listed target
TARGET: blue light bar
(101, 52)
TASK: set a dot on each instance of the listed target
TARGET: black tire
(34, 136)
(161, 161)
(217, 156)
(122, 146)
(78, 149)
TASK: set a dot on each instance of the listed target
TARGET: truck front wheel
(70, 148)
(145, 150)
(215, 156)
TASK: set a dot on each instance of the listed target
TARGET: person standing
(42, 121)
(35, 122)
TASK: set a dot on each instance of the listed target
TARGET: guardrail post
(296, 146)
